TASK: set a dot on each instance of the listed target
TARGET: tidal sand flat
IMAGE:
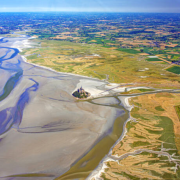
(44, 130)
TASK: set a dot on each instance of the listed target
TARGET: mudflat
(44, 128)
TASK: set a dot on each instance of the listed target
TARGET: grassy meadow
(156, 129)
(94, 60)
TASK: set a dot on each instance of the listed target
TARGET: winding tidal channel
(45, 133)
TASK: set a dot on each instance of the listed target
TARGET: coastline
(96, 93)
(89, 87)
(47, 68)
(50, 69)
(102, 165)
(95, 120)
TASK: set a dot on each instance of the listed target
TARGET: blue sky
(91, 5)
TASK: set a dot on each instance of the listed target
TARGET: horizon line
(87, 12)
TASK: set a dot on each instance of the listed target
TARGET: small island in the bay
(81, 93)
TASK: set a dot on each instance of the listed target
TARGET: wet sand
(44, 128)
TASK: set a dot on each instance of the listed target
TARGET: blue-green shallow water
(12, 119)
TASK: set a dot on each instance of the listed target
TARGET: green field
(137, 91)
(145, 90)
(174, 69)
(131, 51)
(159, 108)
(153, 59)
(177, 108)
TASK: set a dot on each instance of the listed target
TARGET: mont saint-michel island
(81, 93)
(89, 95)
